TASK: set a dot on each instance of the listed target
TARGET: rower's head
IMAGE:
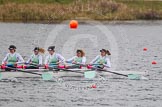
(37, 50)
(105, 52)
(51, 50)
(80, 53)
(12, 48)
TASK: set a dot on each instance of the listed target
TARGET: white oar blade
(47, 76)
(90, 74)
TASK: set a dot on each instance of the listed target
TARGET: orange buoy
(144, 49)
(73, 24)
(94, 86)
(154, 62)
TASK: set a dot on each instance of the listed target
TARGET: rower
(101, 61)
(12, 58)
(54, 59)
(79, 59)
(35, 60)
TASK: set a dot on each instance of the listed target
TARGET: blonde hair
(41, 50)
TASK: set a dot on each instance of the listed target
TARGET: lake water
(125, 40)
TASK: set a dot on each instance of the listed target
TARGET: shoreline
(85, 21)
(104, 10)
(58, 21)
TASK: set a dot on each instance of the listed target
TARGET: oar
(129, 76)
(45, 76)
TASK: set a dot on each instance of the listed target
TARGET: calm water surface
(126, 42)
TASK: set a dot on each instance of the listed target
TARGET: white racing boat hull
(17, 74)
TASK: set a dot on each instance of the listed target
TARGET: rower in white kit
(101, 61)
(77, 60)
(35, 60)
(12, 58)
(53, 59)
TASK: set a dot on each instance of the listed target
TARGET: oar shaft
(24, 71)
(110, 72)
(116, 73)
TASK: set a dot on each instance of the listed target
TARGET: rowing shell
(17, 74)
